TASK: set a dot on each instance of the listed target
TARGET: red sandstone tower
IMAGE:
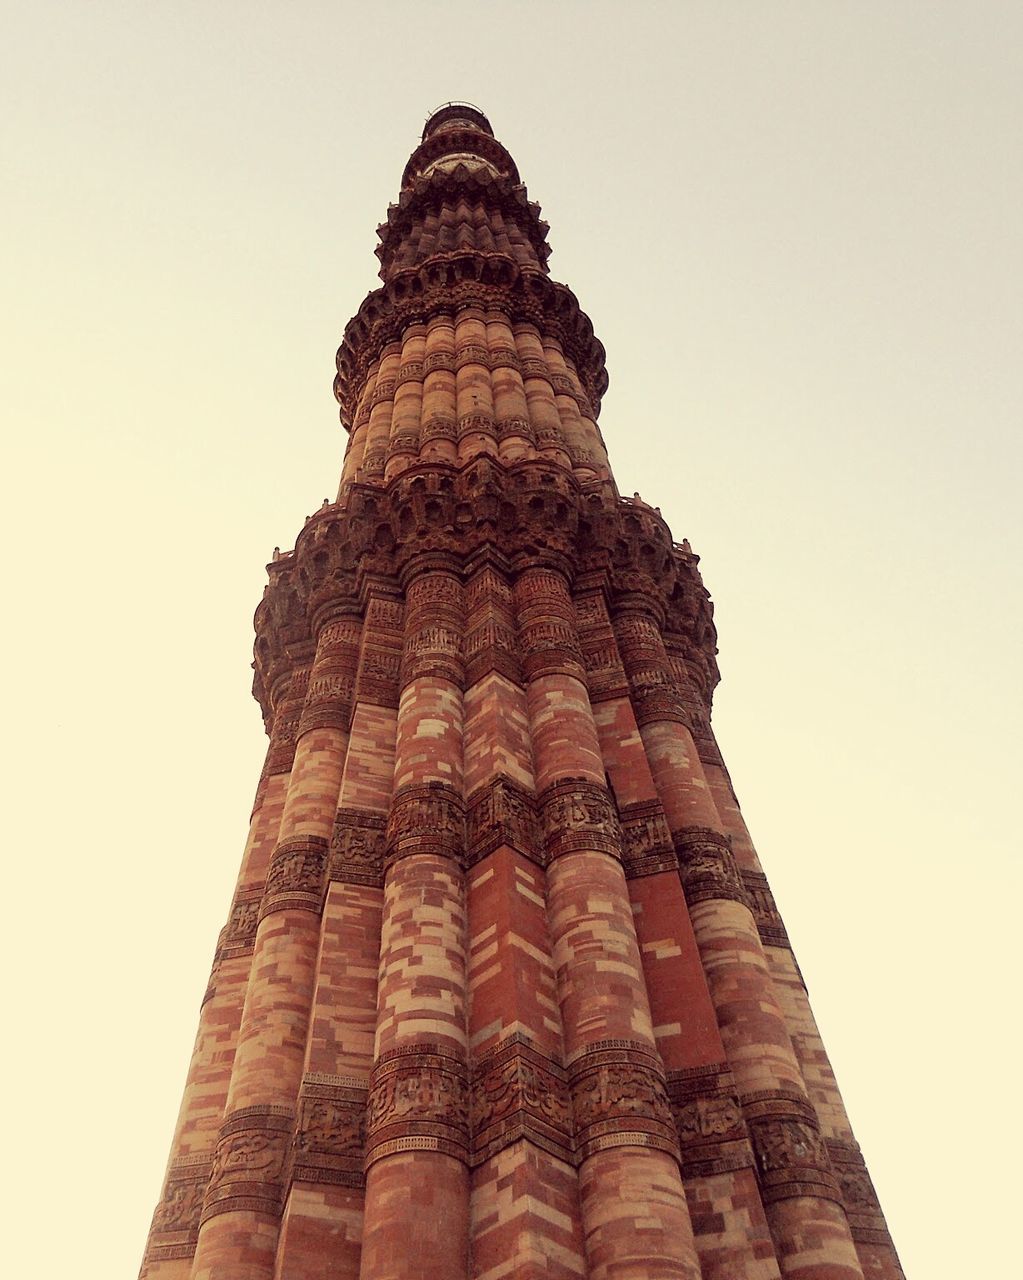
(503, 991)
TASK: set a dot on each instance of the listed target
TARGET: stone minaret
(502, 991)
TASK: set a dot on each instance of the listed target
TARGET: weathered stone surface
(502, 990)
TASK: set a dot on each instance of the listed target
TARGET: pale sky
(796, 228)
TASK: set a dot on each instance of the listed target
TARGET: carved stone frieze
(296, 875)
(619, 1099)
(507, 428)
(379, 669)
(792, 1158)
(418, 1100)
(328, 699)
(175, 1227)
(579, 815)
(490, 646)
(543, 521)
(706, 866)
(330, 1135)
(765, 911)
(248, 1167)
(709, 1121)
(239, 936)
(502, 813)
(517, 1092)
(426, 819)
(357, 846)
(647, 847)
(866, 1220)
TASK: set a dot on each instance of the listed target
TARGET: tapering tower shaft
(503, 989)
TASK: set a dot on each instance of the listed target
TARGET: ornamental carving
(181, 1206)
(534, 515)
(418, 1099)
(619, 1098)
(330, 1126)
(579, 815)
(783, 1144)
(357, 847)
(709, 1121)
(426, 819)
(516, 1092)
(249, 1162)
(709, 1118)
(647, 846)
(765, 911)
(502, 813)
(239, 934)
(707, 867)
(295, 878)
(791, 1155)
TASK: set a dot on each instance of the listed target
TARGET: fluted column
(633, 1205)
(875, 1249)
(175, 1227)
(321, 1230)
(417, 1179)
(525, 1190)
(241, 1214)
(798, 1186)
(729, 1225)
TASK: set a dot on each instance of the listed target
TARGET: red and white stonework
(503, 991)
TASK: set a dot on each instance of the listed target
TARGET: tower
(503, 990)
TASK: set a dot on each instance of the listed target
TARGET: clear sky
(796, 228)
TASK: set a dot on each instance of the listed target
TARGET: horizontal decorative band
(428, 818)
(296, 875)
(765, 911)
(357, 847)
(858, 1194)
(706, 866)
(579, 815)
(647, 847)
(240, 934)
(330, 1135)
(418, 1093)
(177, 1216)
(619, 1098)
(792, 1159)
(517, 1092)
(502, 813)
(248, 1167)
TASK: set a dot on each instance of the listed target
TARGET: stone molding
(647, 846)
(619, 1099)
(866, 1219)
(579, 815)
(175, 1227)
(418, 1101)
(502, 813)
(330, 1133)
(426, 818)
(357, 846)
(707, 867)
(708, 1118)
(792, 1158)
(536, 513)
(517, 1092)
(295, 879)
(248, 1167)
(765, 910)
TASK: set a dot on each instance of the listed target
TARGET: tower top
(462, 114)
